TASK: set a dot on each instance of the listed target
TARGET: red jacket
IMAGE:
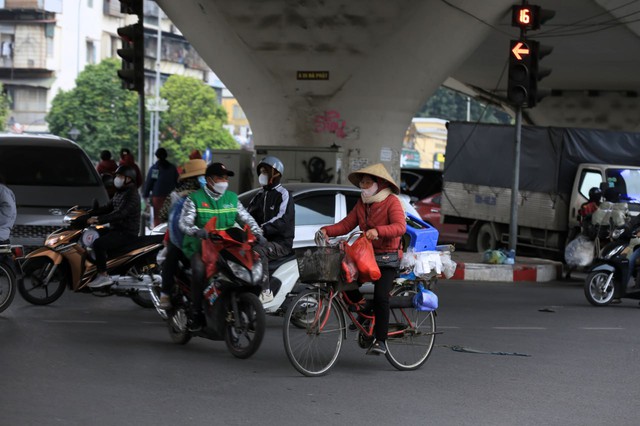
(386, 216)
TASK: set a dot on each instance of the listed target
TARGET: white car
(320, 204)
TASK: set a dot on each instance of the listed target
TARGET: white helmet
(271, 161)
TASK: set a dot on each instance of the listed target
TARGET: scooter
(67, 259)
(233, 311)
(611, 277)
(8, 273)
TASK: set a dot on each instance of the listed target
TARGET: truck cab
(624, 179)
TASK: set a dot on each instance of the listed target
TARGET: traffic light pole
(143, 161)
(513, 227)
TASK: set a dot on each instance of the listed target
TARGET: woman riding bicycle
(381, 218)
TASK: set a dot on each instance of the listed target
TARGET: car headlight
(240, 272)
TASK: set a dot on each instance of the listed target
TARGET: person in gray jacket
(7, 211)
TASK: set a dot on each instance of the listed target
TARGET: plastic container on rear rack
(421, 235)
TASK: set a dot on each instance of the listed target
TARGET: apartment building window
(90, 4)
(238, 113)
(115, 45)
(91, 52)
(49, 31)
(29, 104)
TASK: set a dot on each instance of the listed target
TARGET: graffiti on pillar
(330, 122)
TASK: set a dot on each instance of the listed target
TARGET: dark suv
(48, 175)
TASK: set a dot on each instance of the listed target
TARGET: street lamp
(74, 133)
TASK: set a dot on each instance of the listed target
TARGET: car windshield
(46, 166)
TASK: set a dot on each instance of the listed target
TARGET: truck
(558, 166)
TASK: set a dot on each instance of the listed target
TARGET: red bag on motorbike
(210, 251)
(361, 252)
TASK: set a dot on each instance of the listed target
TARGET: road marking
(75, 322)
(519, 328)
(601, 328)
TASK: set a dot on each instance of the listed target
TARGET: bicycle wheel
(7, 286)
(313, 330)
(412, 334)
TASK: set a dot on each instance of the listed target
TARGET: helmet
(595, 194)
(127, 171)
(271, 161)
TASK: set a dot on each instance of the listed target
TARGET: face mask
(371, 190)
(220, 187)
(263, 179)
(202, 181)
(118, 182)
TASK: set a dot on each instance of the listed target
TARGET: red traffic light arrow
(520, 49)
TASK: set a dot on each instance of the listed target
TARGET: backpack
(175, 234)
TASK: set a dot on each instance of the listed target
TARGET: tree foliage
(194, 119)
(103, 112)
(449, 104)
(4, 109)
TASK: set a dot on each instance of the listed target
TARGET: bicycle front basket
(319, 264)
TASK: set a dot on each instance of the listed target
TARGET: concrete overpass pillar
(382, 61)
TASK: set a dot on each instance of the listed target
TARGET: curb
(507, 273)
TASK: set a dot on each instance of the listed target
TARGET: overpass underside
(352, 73)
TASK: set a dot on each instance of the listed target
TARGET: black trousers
(267, 252)
(107, 243)
(381, 289)
(170, 267)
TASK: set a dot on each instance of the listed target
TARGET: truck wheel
(485, 239)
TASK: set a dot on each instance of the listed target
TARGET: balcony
(46, 5)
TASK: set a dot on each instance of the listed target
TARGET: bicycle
(314, 323)
(8, 272)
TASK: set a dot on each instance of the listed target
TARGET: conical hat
(377, 170)
(193, 168)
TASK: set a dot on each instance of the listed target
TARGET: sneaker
(100, 281)
(266, 296)
(165, 302)
(377, 348)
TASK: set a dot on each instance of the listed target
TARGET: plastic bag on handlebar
(361, 252)
(210, 254)
(349, 269)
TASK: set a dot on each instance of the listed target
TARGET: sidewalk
(471, 268)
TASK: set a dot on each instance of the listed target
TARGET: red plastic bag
(361, 252)
(349, 269)
(210, 254)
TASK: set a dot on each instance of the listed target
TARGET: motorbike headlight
(52, 241)
(240, 271)
(257, 272)
(617, 233)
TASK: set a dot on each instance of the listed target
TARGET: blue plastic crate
(422, 236)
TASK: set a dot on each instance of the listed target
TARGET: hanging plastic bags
(579, 252)
(361, 252)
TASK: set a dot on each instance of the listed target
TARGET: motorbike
(67, 260)
(8, 273)
(232, 311)
(611, 276)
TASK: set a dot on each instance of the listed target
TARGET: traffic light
(538, 51)
(525, 55)
(520, 72)
(132, 52)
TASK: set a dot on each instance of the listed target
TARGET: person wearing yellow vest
(213, 200)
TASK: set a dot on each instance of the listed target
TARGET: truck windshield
(626, 182)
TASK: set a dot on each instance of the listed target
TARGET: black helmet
(595, 194)
(127, 171)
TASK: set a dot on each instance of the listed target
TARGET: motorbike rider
(189, 181)
(272, 207)
(122, 213)
(379, 214)
(213, 200)
(7, 211)
(587, 208)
